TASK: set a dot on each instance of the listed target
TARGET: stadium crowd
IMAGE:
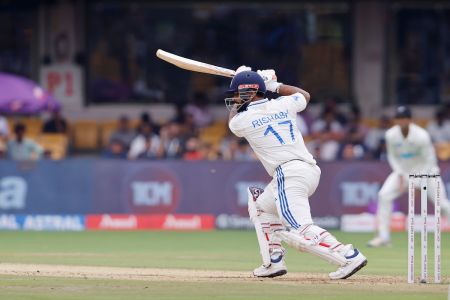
(193, 134)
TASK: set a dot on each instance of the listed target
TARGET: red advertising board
(150, 222)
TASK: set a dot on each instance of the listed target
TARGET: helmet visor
(240, 98)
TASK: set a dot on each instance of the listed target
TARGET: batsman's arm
(287, 90)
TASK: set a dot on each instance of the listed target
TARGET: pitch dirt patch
(185, 275)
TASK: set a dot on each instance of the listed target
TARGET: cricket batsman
(281, 211)
(409, 151)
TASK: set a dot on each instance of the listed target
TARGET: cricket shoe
(355, 262)
(276, 268)
(379, 242)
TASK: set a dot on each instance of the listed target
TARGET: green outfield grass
(217, 250)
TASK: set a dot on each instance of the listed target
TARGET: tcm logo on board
(359, 193)
(152, 193)
(13, 192)
(153, 189)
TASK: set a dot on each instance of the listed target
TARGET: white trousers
(394, 186)
(286, 196)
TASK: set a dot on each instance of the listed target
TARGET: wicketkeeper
(409, 151)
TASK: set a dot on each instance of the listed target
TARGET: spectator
(304, 122)
(375, 140)
(352, 145)
(56, 124)
(2, 150)
(199, 111)
(331, 105)
(146, 120)
(228, 145)
(116, 149)
(302, 125)
(326, 135)
(243, 151)
(21, 148)
(210, 151)
(188, 127)
(180, 115)
(123, 134)
(193, 150)
(4, 128)
(439, 128)
(146, 145)
(4, 133)
(171, 140)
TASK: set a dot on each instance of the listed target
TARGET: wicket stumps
(424, 178)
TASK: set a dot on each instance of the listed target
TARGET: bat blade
(193, 65)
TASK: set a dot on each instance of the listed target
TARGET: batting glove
(270, 80)
(242, 69)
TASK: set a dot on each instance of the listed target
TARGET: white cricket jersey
(270, 128)
(412, 154)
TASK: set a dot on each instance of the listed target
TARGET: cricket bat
(193, 65)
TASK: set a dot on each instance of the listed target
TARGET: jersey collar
(258, 102)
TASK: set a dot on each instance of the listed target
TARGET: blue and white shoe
(276, 268)
(355, 262)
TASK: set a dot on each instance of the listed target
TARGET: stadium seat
(214, 133)
(106, 129)
(109, 126)
(33, 125)
(371, 123)
(56, 144)
(422, 122)
(85, 135)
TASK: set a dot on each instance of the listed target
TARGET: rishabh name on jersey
(270, 128)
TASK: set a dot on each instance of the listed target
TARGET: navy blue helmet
(244, 85)
(247, 78)
(403, 112)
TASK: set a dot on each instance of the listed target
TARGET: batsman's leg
(296, 182)
(262, 212)
(391, 189)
